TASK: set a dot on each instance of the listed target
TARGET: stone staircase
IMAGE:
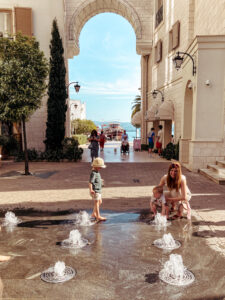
(215, 172)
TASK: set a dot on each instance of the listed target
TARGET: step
(214, 176)
(221, 163)
(220, 170)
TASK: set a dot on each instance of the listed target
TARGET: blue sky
(107, 68)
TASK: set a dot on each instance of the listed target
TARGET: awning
(166, 111)
(152, 113)
(136, 119)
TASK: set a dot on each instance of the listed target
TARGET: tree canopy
(57, 92)
(136, 105)
(83, 126)
(23, 71)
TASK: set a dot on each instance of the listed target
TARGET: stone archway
(138, 14)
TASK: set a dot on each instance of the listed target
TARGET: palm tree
(136, 105)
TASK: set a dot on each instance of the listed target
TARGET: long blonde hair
(174, 183)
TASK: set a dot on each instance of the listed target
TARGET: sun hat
(98, 163)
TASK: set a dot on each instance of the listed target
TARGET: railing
(159, 16)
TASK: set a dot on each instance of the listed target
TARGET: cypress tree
(57, 93)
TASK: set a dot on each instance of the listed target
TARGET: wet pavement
(119, 263)
(111, 153)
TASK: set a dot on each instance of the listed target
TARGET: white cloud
(120, 87)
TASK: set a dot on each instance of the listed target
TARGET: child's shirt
(96, 181)
(158, 201)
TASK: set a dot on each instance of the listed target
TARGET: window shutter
(159, 51)
(170, 45)
(23, 20)
(176, 34)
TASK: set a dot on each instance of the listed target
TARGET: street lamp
(178, 60)
(76, 86)
(155, 93)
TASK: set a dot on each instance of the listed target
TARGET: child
(95, 187)
(158, 201)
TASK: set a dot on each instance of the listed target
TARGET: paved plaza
(62, 188)
(128, 179)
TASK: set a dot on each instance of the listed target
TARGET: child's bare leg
(94, 212)
(165, 211)
(180, 210)
(188, 210)
(98, 217)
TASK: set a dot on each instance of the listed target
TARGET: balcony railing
(159, 16)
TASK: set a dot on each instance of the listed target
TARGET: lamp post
(155, 93)
(76, 86)
(178, 60)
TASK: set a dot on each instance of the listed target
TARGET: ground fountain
(160, 221)
(83, 219)
(175, 273)
(10, 220)
(59, 273)
(75, 240)
(167, 242)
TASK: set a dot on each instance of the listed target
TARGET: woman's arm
(163, 181)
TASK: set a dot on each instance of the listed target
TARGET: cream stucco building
(193, 102)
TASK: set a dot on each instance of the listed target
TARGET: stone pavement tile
(127, 188)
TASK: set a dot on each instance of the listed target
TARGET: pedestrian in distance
(94, 146)
(102, 140)
(159, 139)
(151, 140)
(95, 187)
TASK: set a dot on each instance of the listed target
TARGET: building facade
(77, 110)
(193, 97)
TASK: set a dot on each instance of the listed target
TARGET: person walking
(159, 139)
(102, 140)
(94, 146)
(151, 140)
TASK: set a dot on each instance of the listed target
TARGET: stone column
(144, 92)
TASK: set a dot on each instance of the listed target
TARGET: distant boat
(113, 131)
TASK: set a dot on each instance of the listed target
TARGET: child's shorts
(96, 196)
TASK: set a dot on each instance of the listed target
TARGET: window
(159, 12)
(174, 36)
(5, 22)
(158, 51)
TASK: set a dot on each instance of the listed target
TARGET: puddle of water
(119, 263)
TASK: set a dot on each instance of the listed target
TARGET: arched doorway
(137, 13)
(187, 123)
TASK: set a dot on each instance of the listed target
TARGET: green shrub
(3, 140)
(144, 147)
(171, 151)
(33, 155)
(12, 146)
(71, 150)
(81, 138)
(52, 155)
